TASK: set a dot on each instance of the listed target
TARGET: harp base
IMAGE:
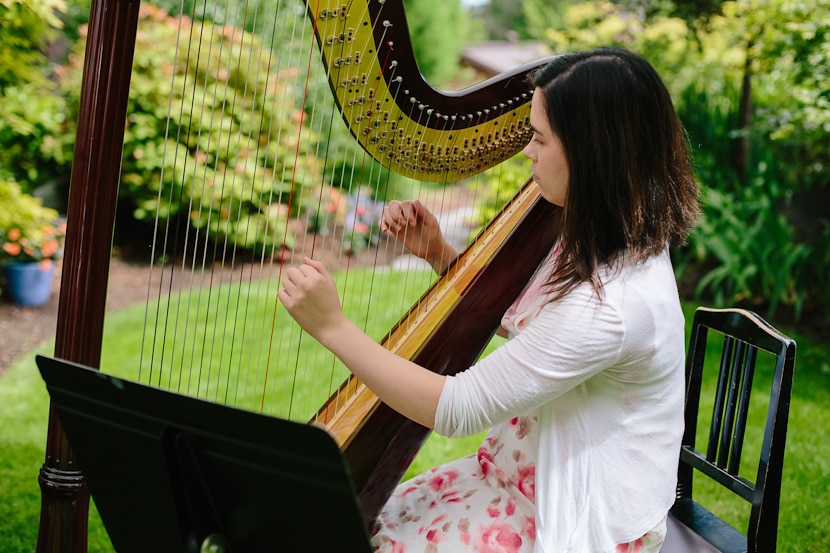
(64, 511)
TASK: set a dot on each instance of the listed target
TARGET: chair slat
(748, 370)
(721, 394)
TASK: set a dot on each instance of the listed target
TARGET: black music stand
(170, 473)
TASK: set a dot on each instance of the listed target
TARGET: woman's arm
(310, 296)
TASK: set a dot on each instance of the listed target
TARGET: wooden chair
(691, 527)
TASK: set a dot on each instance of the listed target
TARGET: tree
(439, 31)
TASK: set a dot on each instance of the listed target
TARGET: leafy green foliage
(745, 249)
(205, 140)
(32, 111)
(32, 117)
(438, 29)
(750, 246)
(28, 26)
(790, 49)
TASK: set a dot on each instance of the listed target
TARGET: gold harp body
(398, 119)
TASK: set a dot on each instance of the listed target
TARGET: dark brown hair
(631, 186)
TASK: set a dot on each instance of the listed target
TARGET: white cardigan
(606, 379)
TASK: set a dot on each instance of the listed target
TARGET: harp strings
(214, 328)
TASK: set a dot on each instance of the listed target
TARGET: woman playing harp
(585, 399)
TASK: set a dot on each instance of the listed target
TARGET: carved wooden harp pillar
(397, 118)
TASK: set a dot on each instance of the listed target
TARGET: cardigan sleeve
(569, 341)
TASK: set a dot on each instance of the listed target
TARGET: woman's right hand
(414, 226)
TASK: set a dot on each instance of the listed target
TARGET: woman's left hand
(310, 296)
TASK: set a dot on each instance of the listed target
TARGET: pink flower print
(526, 481)
(396, 547)
(499, 538)
(510, 508)
(435, 535)
(442, 481)
(437, 520)
(632, 547)
(485, 460)
(464, 530)
(529, 528)
(409, 490)
(452, 496)
(523, 427)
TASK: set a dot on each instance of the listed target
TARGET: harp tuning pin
(429, 111)
(387, 23)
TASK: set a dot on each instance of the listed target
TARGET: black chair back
(743, 336)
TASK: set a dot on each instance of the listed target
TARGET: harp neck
(401, 120)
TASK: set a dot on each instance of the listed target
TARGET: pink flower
(485, 460)
(409, 490)
(442, 481)
(632, 547)
(510, 508)
(529, 528)
(523, 426)
(397, 547)
(499, 538)
(527, 481)
(435, 535)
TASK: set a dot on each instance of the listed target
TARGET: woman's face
(548, 162)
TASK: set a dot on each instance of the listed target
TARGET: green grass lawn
(804, 525)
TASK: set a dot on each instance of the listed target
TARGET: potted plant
(31, 237)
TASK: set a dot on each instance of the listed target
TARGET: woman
(585, 400)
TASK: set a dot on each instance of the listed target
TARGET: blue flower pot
(29, 284)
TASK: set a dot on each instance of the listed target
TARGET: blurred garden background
(750, 80)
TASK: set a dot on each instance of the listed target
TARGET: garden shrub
(745, 249)
(32, 110)
(217, 151)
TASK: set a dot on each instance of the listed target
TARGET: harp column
(90, 221)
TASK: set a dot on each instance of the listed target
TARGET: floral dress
(485, 502)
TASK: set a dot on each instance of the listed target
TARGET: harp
(398, 119)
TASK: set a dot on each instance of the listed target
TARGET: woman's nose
(527, 151)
